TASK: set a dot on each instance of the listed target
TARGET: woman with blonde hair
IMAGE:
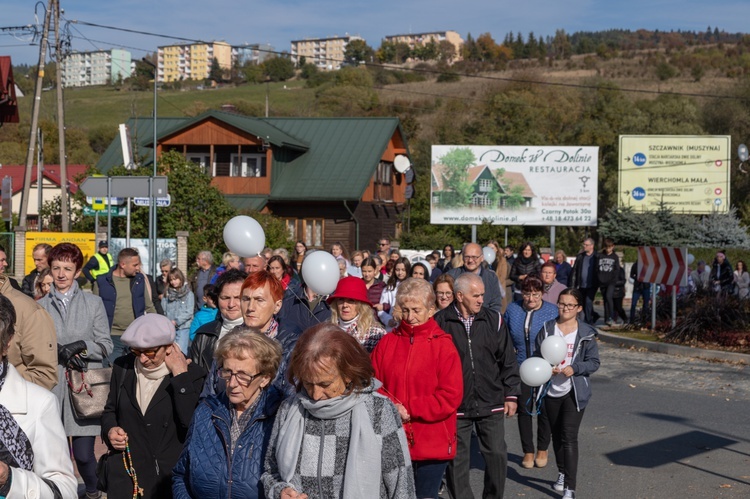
(502, 270)
(351, 311)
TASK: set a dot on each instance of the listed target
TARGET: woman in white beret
(153, 394)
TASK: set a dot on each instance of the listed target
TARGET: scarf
(363, 466)
(15, 448)
(227, 325)
(273, 329)
(63, 299)
(148, 380)
(240, 423)
(177, 294)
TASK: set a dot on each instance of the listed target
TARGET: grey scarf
(63, 299)
(363, 462)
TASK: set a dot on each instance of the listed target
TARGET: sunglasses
(149, 352)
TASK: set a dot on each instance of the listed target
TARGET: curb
(670, 349)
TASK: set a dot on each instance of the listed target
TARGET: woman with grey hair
(83, 341)
(229, 432)
(33, 446)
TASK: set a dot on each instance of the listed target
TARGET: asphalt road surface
(657, 426)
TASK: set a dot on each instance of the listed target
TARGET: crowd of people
(239, 380)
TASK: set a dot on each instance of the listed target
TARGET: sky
(277, 22)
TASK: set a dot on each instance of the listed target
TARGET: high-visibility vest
(104, 264)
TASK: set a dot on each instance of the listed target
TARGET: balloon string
(539, 400)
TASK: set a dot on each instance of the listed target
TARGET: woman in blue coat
(229, 434)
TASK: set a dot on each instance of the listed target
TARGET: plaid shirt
(467, 321)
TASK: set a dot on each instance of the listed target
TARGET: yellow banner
(86, 241)
(688, 173)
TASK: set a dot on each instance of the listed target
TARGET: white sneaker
(560, 483)
(569, 494)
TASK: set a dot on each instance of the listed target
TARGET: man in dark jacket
(303, 308)
(206, 271)
(228, 287)
(473, 258)
(124, 279)
(583, 277)
(491, 385)
(39, 254)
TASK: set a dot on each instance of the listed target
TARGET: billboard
(689, 173)
(514, 185)
(86, 241)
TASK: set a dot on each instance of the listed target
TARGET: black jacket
(204, 343)
(156, 438)
(607, 268)
(27, 285)
(575, 276)
(488, 361)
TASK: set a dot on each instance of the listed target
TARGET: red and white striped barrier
(663, 265)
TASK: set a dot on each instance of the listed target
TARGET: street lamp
(152, 236)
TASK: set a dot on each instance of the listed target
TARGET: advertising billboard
(688, 173)
(514, 185)
(86, 241)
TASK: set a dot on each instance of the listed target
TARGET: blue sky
(279, 21)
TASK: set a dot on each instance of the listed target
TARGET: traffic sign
(126, 187)
(663, 265)
(117, 211)
(103, 200)
(160, 202)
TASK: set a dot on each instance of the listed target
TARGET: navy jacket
(207, 467)
(106, 290)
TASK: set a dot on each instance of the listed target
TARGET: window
(248, 165)
(485, 185)
(384, 175)
(200, 160)
(291, 228)
(313, 232)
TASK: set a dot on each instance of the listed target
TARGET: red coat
(420, 368)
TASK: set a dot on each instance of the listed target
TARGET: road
(658, 426)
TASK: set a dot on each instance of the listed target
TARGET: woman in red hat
(420, 369)
(352, 312)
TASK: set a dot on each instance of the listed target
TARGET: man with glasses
(473, 258)
(384, 245)
(583, 278)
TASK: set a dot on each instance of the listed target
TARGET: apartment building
(254, 53)
(191, 61)
(101, 67)
(325, 53)
(415, 39)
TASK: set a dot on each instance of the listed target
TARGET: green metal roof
(242, 202)
(321, 159)
(343, 156)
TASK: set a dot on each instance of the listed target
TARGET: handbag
(88, 391)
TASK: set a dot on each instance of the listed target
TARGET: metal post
(64, 211)
(109, 212)
(674, 306)
(473, 233)
(127, 226)
(552, 242)
(39, 177)
(506, 236)
(653, 306)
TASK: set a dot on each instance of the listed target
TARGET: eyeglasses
(567, 306)
(150, 352)
(243, 379)
(531, 295)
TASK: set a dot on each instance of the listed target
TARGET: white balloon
(535, 371)
(320, 270)
(489, 255)
(691, 259)
(244, 235)
(554, 349)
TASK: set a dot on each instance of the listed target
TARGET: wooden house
(331, 179)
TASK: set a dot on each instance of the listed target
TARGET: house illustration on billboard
(479, 187)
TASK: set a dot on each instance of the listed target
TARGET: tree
(665, 71)
(252, 72)
(216, 73)
(357, 51)
(278, 68)
(457, 161)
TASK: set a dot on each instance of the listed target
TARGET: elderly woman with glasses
(337, 437)
(421, 374)
(152, 397)
(223, 455)
(524, 319)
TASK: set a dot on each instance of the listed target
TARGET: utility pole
(60, 57)
(35, 116)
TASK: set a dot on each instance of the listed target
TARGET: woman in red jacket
(421, 373)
